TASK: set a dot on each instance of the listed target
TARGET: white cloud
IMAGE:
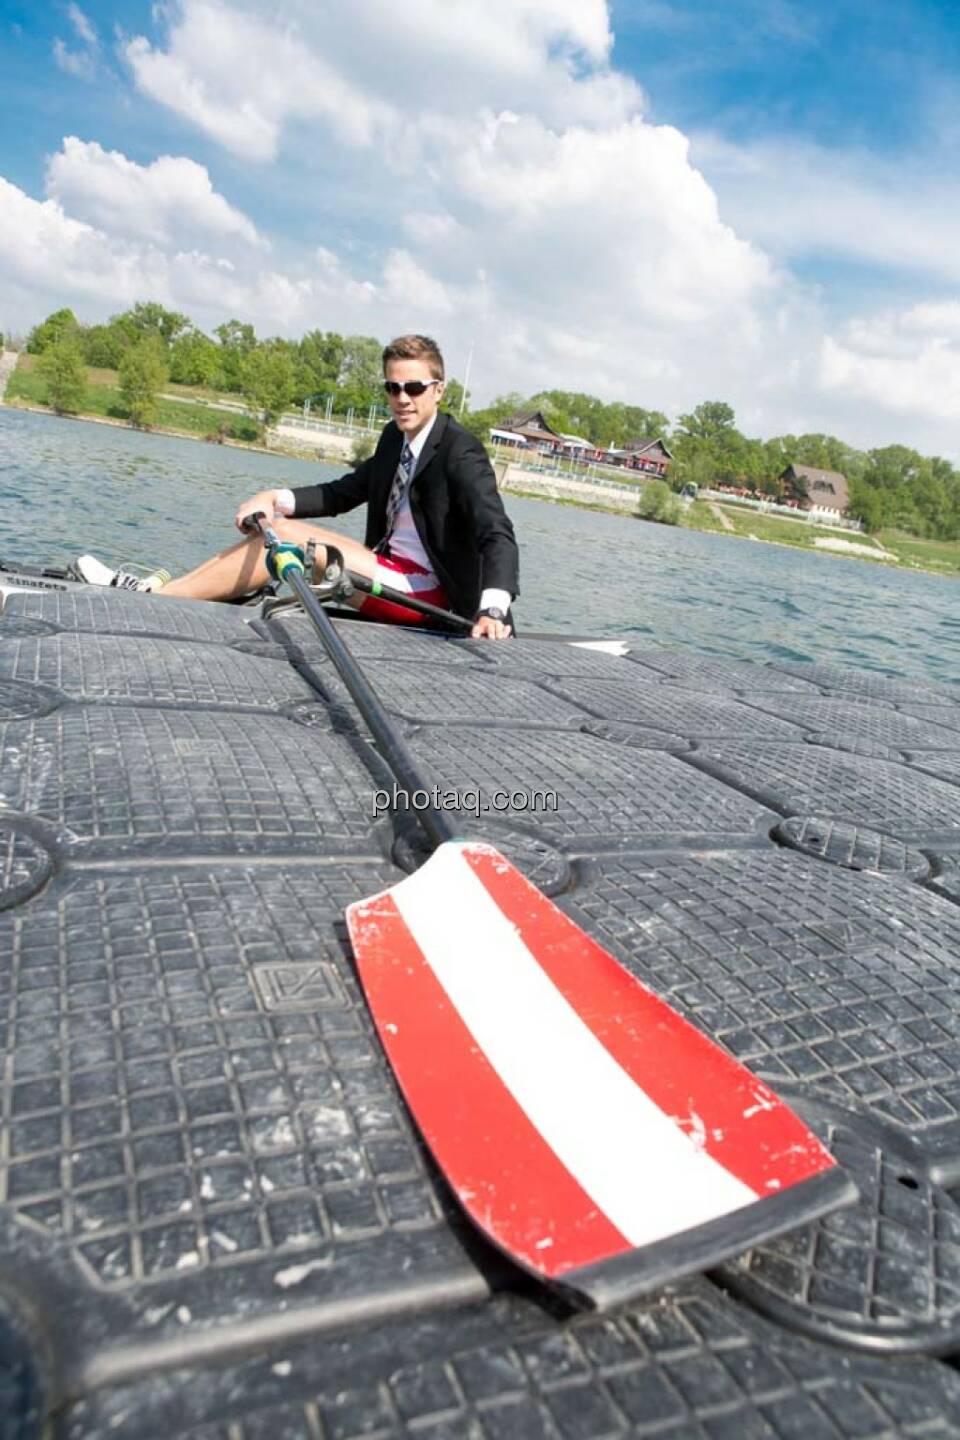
(240, 79)
(81, 23)
(79, 63)
(51, 258)
(516, 199)
(942, 318)
(171, 201)
(240, 74)
(801, 200)
(595, 237)
(906, 363)
(83, 62)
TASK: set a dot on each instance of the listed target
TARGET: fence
(317, 415)
(770, 507)
(570, 469)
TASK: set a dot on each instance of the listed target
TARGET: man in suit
(436, 526)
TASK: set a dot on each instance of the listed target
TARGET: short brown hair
(415, 347)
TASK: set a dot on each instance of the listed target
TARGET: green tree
(693, 463)
(360, 379)
(62, 367)
(236, 335)
(143, 373)
(236, 342)
(321, 355)
(150, 318)
(453, 398)
(267, 380)
(49, 331)
(194, 359)
(658, 502)
(639, 424)
(708, 421)
(866, 505)
(104, 346)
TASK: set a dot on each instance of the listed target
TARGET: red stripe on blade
(505, 1175)
(737, 1119)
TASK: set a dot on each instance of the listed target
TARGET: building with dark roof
(651, 456)
(648, 455)
(813, 489)
(534, 428)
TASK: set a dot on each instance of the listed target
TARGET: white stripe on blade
(643, 1172)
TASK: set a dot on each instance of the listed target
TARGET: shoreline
(292, 452)
(282, 448)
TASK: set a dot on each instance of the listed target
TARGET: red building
(650, 456)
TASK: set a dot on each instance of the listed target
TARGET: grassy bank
(940, 557)
(103, 400)
(194, 416)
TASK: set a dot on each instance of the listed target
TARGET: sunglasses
(413, 388)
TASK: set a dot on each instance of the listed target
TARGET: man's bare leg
(242, 568)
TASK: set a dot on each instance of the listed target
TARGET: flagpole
(466, 381)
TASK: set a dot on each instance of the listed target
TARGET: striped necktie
(398, 492)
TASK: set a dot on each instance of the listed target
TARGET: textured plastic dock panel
(814, 780)
(884, 1276)
(143, 669)
(713, 674)
(689, 1366)
(181, 781)
(117, 612)
(437, 696)
(832, 721)
(695, 715)
(216, 1219)
(867, 684)
(846, 984)
(854, 846)
(944, 765)
(193, 1091)
(371, 642)
(588, 792)
(532, 657)
(947, 716)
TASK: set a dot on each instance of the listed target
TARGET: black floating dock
(217, 1222)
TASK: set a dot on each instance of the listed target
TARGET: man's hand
(265, 500)
(487, 628)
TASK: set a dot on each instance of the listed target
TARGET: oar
(594, 1135)
(409, 602)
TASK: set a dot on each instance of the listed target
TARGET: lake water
(68, 487)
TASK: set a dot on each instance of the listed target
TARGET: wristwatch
(493, 612)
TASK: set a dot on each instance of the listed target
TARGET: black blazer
(455, 504)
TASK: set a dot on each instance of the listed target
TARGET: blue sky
(838, 74)
(660, 202)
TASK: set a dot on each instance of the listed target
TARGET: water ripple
(67, 486)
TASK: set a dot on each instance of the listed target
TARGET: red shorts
(405, 575)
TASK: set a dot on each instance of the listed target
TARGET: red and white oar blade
(591, 1132)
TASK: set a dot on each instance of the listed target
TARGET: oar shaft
(392, 746)
(409, 602)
